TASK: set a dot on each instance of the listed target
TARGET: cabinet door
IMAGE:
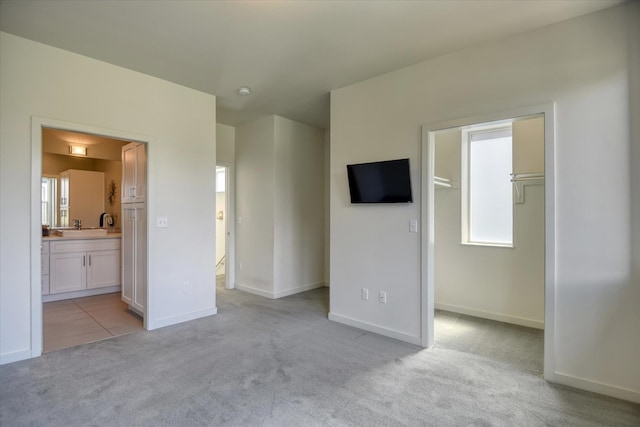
(134, 173)
(128, 253)
(141, 173)
(64, 199)
(64, 217)
(140, 284)
(103, 269)
(128, 173)
(67, 272)
(64, 189)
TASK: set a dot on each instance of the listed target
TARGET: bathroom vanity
(78, 266)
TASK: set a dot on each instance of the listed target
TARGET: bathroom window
(487, 195)
(48, 200)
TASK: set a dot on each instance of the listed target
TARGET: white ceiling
(291, 53)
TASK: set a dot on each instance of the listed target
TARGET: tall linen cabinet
(134, 226)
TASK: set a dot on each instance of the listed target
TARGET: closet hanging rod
(443, 182)
(516, 177)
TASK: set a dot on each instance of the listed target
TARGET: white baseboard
(280, 294)
(80, 294)
(254, 291)
(174, 320)
(596, 387)
(531, 323)
(293, 291)
(16, 356)
(369, 327)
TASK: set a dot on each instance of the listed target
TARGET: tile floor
(81, 320)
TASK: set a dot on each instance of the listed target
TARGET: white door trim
(427, 217)
(230, 226)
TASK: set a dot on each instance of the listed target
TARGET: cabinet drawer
(67, 246)
(68, 272)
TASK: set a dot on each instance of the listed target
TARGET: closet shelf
(442, 182)
(520, 180)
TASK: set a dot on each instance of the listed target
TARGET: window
(487, 196)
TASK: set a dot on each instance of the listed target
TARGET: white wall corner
(376, 329)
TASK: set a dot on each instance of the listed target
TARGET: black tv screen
(380, 182)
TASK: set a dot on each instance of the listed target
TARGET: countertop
(54, 236)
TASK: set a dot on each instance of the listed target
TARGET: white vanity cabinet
(134, 173)
(76, 265)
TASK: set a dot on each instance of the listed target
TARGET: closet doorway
(488, 222)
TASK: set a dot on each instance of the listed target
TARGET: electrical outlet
(186, 287)
(365, 294)
(413, 226)
(382, 297)
(239, 265)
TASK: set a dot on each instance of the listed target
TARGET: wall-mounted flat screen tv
(380, 182)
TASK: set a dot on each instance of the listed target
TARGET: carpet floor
(262, 362)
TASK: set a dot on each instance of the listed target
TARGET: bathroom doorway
(86, 302)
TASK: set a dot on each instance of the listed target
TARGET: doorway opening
(78, 266)
(225, 226)
(475, 282)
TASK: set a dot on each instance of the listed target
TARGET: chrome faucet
(77, 224)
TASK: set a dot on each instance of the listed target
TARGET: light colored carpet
(263, 362)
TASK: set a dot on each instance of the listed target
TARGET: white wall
(505, 284)
(280, 198)
(299, 207)
(38, 80)
(581, 65)
(225, 143)
(255, 181)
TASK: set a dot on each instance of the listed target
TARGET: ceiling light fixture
(77, 150)
(243, 90)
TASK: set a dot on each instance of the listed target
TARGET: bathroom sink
(83, 232)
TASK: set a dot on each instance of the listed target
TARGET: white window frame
(465, 184)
